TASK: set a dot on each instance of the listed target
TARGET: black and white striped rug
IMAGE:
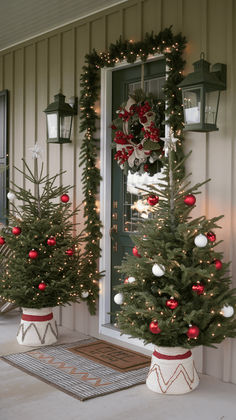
(76, 375)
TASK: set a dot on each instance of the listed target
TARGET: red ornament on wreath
(211, 236)
(190, 199)
(69, 252)
(51, 241)
(42, 286)
(2, 240)
(153, 327)
(153, 200)
(16, 230)
(65, 198)
(135, 252)
(193, 331)
(33, 254)
(172, 303)
(218, 264)
(198, 288)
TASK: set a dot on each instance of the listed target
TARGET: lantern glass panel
(211, 107)
(191, 103)
(65, 126)
(52, 125)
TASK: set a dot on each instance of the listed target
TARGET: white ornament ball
(227, 311)
(11, 196)
(200, 241)
(84, 294)
(158, 270)
(131, 279)
(119, 298)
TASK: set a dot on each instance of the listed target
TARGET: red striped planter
(172, 371)
(37, 327)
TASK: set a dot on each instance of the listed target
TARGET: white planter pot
(37, 327)
(172, 371)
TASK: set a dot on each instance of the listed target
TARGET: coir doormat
(76, 374)
(112, 356)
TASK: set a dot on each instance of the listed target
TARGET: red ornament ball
(153, 327)
(16, 230)
(69, 252)
(126, 281)
(193, 331)
(33, 254)
(135, 252)
(198, 288)
(211, 236)
(218, 264)
(42, 286)
(172, 303)
(190, 199)
(2, 240)
(65, 198)
(51, 241)
(152, 200)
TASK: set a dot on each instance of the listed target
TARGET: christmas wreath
(137, 132)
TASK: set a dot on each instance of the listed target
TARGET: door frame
(105, 328)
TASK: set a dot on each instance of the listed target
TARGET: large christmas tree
(44, 264)
(176, 288)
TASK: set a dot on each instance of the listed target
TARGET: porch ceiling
(24, 19)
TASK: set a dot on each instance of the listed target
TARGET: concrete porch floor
(25, 397)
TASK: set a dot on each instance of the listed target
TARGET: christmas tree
(175, 289)
(44, 267)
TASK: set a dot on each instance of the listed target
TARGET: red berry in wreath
(211, 236)
(218, 264)
(153, 327)
(69, 252)
(51, 241)
(42, 286)
(198, 288)
(190, 199)
(135, 252)
(146, 167)
(172, 303)
(65, 198)
(2, 240)
(193, 331)
(33, 254)
(16, 230)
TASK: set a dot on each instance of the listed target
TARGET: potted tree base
(37, 327)
(172, 371)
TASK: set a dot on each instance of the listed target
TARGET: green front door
(123, 194)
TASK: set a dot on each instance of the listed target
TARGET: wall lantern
(201, 95)
(59, 119)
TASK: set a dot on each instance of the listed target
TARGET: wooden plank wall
(34, 72)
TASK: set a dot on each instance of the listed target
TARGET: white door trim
(105, 203)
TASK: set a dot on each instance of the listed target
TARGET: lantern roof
(202, 75)
(59, 105)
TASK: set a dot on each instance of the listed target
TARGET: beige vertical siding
(36, 70)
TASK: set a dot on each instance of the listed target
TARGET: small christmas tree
(176, 289)
(44, 269)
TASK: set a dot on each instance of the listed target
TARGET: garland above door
(171, 47)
